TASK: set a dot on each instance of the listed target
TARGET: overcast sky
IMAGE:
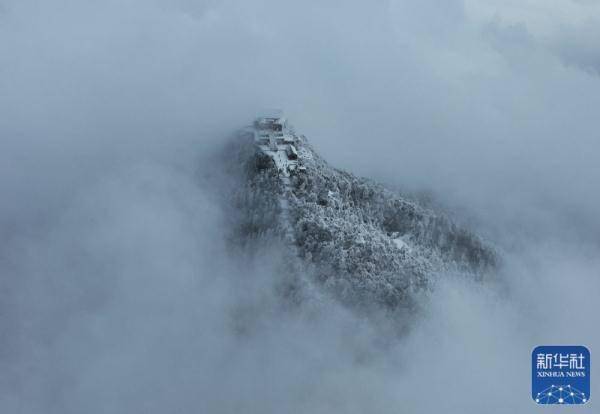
(112, 253)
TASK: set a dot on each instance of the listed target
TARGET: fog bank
(119, 292)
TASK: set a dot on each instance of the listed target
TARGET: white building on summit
(274, 137)
(270, 123)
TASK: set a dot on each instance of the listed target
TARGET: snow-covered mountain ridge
(367, 245)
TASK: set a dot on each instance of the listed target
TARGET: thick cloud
(118, 291)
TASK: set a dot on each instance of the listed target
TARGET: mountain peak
(365, 244)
